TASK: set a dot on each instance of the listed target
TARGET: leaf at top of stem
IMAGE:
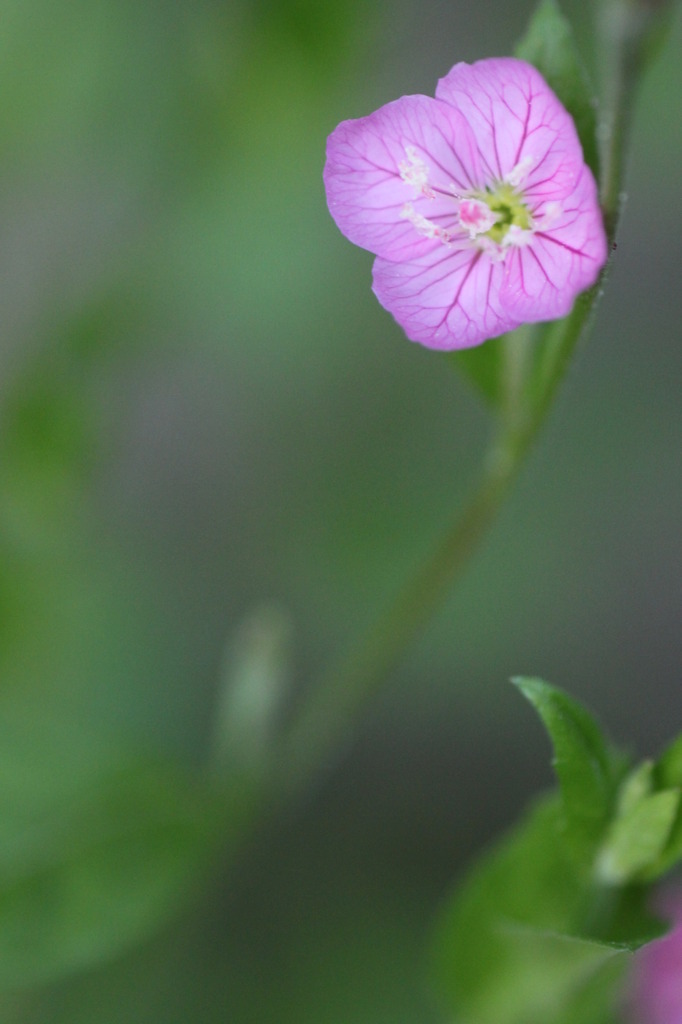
(637, 838)
(587, 768)
(668, 769)
(667, 774)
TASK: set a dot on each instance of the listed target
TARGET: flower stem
(333, 705)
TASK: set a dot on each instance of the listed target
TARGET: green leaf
(550, 46)
(513, 945)
(587, 769)
(635, 787)
(637, 838)
(501, 370)
(667, 774)
(668, 770)
(537, 935)
(482, 365)
(672, 854)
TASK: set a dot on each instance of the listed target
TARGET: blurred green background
(204, 410)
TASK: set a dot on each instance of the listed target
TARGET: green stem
(332, 706)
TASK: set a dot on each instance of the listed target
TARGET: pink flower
(477, 204)
(656, 986)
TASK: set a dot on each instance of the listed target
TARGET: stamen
(493, 251)
(516, 236)
(550, 216)
(414, 172)
(520, 172)
(423, 225)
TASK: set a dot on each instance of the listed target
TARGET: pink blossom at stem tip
(477, 204)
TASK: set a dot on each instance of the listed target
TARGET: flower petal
(543, 278)
(445, 299)
(415, 153)
(521, 128)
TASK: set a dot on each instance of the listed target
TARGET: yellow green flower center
(509, 209)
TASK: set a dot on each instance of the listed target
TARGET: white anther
(550, 215)
(414, 172)
(520, 172)
(517, 236)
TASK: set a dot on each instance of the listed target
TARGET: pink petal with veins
(543, 278)
(516, 119)
(366, 192)
(446, 299)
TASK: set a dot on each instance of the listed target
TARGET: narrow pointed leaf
(668, 770)
(667, 773)
(638, 837)
(635, 787)
(586, 767)
(671, 856)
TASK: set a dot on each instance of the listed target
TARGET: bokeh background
(204, 411)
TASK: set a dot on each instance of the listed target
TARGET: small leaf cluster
(543, 929)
